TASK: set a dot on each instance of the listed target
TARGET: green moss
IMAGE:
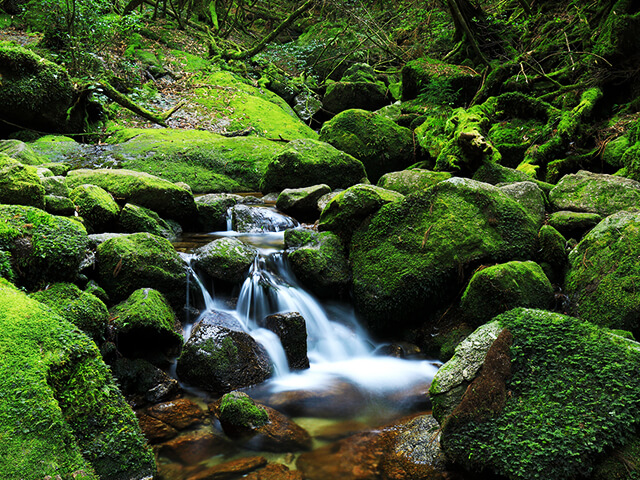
(61, 413)
(573, 395)
(573, 224)
(21, 152)
(239, 409)
(553, 252)
(20, 184)
(44, 247)
(58, 149)
(134, 218)
(409, 181)
(226, 259)
(96, 206)
(83, 309)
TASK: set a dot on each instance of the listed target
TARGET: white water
(338, 348)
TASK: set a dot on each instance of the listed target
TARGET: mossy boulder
(226, 259)
(219, 359)
(530, 196)
(20, 184)
(213, 209)
(56, 205)
(574, 224)
(257, 219)
(83, 309)
(62, 414)
(413, 180)
(96, 206)
(348, 209)
(411, 257)
(438, 82)
(128, 262)
(604, 271)
(44, 248)
(380, 144)
(38, 94)
(553, 253)
(310, 162)
(21, 152)
(358, 88)
(496, 289)
(595, 193)
(55, 185)
(319, 261)
(146, 327)
(134, 218)
(60, 153)
(165, 198)
(239, 414)
(302, 203)
(536, 409)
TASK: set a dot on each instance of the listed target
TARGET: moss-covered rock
(311, 162)
(302, 203)
(134, 218)
(55, 185)
(319, 261)
(496, 289)
(62, 414)
(84, 310)
(347, 210)
(553, 253)
(604, 271)
(413, 180)
(226, 259)
(39, 94)
(239, 414)
(380, 144)
(595, 193)
(412, 256)
(530, 196)
(60, 152)
(536, 409)
(574, 224)
(146, 327)
(20, 184)
(165, 198)
(21, 152)
(44, 248)
(358, 88)
(129, 262)
(213, 210)
(56, 205)
(258, 219)
(96, 206)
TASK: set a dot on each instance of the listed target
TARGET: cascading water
(339, 350)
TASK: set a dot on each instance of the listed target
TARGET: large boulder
(413, 180)
(96, 206)
(129, 262)
(358, 88)
(319, 261)
(604, 271)
(291, 329)
(302, 203)
(134, 218)
(62, 414)
(20, 184)
(535, 408)
(44, 248)
(219, 359)
(595, 193)
(310, 162)
(213, 210)
(252, 219)
(167, 199)
(412, 256)
(380, 144)
(226, 259)
(530, 196)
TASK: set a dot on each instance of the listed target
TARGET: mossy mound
(55, 185)
(310, 162)
(96, 206)
(496, 289)
(146, 326)
(128, 262)
(302, 203)
(157, 194)
(411, 257)
(380, 144)
(207, 162)
(595, 193)
(346, 211)
(319, 261)
(358, 88)
(212, 210)
(44, 248)
(552, 416)
(134, 218)
(604, 271)
(413, 180)
(574, 224)
(21, 152)
(530, 196)
(240, 413)
(553, 253)
(60, 152)
(61, 414)
(226, 259)
(83, 309)
(20, 184)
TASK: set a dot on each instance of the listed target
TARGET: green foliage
(573, 395)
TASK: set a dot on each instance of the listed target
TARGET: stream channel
(349, 386)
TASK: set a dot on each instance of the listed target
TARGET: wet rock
(553, 253)
(336, 431)
(302, 203)
(212, 210)
(249, 219)
(306, 105)
(143, 383)
(226, 259)
(275, 471)
(230, 470)
(20, 184)
(180, 413)
(155, 431)
(409, 181)
(311, 162)
(96, 206)
(194, 447)
(291, 329)
(134, 218)
(218, 359)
